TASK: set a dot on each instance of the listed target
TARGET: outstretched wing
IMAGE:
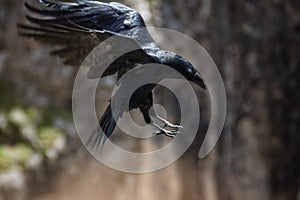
(77, 27)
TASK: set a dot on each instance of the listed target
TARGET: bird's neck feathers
(174, 61)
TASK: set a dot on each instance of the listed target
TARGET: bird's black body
(77, 27)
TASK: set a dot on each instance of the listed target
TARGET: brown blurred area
(255, 44)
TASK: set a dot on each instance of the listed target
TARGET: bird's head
(185, 68)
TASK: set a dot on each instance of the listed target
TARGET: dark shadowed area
(256, 46)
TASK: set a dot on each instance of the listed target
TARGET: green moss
(24, 129)
(18, 116)
(14, 155)
(5, 162)
(32, 114)
(47, 137)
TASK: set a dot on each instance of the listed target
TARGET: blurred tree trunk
(256, 46)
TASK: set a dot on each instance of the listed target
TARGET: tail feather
(107, 122)
(103, 132)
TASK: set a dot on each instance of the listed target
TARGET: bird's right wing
(76, 28)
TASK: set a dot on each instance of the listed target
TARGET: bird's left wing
(76, 28)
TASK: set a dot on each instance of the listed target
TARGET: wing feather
(78, 27)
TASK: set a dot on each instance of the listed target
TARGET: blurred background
(254, 43)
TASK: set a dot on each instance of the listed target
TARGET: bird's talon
(171, 133)
(158, 133)
(173, 126)
(168, 124)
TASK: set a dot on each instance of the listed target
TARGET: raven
(79, 26)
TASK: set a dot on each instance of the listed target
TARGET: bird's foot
(168, 124)
(163, 129)
(169, 133)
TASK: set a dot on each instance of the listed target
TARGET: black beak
(197, 78)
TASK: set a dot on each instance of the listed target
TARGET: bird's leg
(149, 116)
(168, 124)
(162, 129)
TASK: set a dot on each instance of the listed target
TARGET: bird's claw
(171, 133)
(173, 126)
(168, 124)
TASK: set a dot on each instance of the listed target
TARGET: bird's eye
(190, 71)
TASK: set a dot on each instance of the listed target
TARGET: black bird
(79, 26)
